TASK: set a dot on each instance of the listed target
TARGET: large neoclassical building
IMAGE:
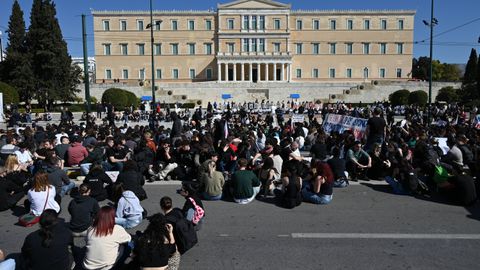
(254, 41)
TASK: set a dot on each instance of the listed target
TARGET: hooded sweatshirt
(129, 206)
(82, 209)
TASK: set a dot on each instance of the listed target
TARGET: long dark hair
(48, 220)
(153, 238)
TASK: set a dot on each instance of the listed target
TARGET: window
(316, 48)
(106, 25)
(124, 49)
(399, 48)
(175, 49)
(399, 73)
(382, 73)
(108, 74)
(254, 22)
(158, 25)
(157, 49)
(316, 25)
(350, 24)
(231, 47)
(262, 22)
(191, 25)
(276, 24)
(400, 24)
(125, 74)
(383, 48)
(366, 73)
(383, 24)
(299, 73)
(175, 74)
(209, 73)
(191, 48)
(158, 74)
(349, 48)
(141, 49)
(333, 24)
(246, 47)
(261, 45)
(299, 47)
(208, 25)
(366, 25)
(333, 48)
(331, 73)
(246, 22)
(141, 74)
(140, 25)
(231, 24)
(315, 73)
(348, 73)
(366, 48)
(208, 48)
(192, 74)
(174, 25)
(299, 24)
(254, 45)
(123, 25)
(276, 47)
(106, 49)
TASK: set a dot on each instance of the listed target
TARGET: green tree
(399, 97)
(451, 73)
(418, 97)
(469, 87)
(421, 68)
(10, 94)
(448, 94)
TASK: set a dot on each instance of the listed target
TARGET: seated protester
(156, 248)
(193, 209)
(339, 168)
(319, 149)
(245, 184)
(10, 194)
(184, 156)
(76, 152)
(62, 148)
(48, 247)
(358, 161)
(227, 158)
(129, 212)
(24, 156)
(11, 146)
(96, 179)
(95, 156)
(149, 142)
(58, 178)
(457, 188)
(82, 209)
(183, 230)
(212, 182)
(381, 165)
(267, 175)
(454, 156)
(467, 154)
(15, 172)
(319, 189)
(116, 154)
(144, 156)
(106, 242)
(292, 186)
(6, 264)
(132, 180)
(42, 153)
(40, 193)
(166, 159)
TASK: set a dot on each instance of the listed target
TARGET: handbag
(199, 212)
(29, 219)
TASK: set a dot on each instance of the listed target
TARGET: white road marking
(223, 235)
(387, 236)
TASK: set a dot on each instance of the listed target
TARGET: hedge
(119, 98)
(448, 94)
(10, 94)
(418, 97)
(399, 97)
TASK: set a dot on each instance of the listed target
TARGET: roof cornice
(155, 12)
(354, 11)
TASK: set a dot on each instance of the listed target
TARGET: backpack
(199, 212)
(183, 231)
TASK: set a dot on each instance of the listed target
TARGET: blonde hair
(11, 163)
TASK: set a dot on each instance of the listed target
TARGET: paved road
(365, 227)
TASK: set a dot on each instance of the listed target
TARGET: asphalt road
(365, 227)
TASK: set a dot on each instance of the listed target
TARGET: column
(282, 69)
(289, 72)
(226, 72)
(258, 72)
(242, 76)
(275, 71)
(234, 72)
(266, 72)
(219, 71)
(250, 72)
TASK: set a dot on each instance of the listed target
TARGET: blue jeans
(8, 264)
(316, 198)
(396, 186)
(211, 198)
(85, 168)
(66, 188)
(117, 166)
(128, 223)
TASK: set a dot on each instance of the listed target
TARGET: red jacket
(76, 153)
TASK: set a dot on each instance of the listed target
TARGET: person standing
(376, 129)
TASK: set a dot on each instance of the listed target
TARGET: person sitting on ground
(95, 156)
(6, 264)
(156, 248)
(76, 153)
(10, 194)
(96, 179)
(82, 209)
(10, 147)
(58, 178)
(166, 159)
(48, 247)
(116, 155)
(245, 184)
(358, 161)
(132, 180)
(267, 175)
(15, 172)
(129, 212)
(192, 201)
(24, 156)
(319, 188)
(40, 193)
(106, 242)
(339, 168)
(292, 186)
(381, 166)
(212, 182)
(61, 149)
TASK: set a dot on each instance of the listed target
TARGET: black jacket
(6, 187)
(96, 181)
(82, 210)
(133, 181)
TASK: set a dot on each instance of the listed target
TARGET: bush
(10, 94)
(131, 99)
(448, 94)
(418, 97)
(399, 97)
(117, 97)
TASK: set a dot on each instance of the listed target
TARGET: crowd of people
(236, 153)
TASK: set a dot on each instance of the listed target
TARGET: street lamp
(150, 25)
(431, 24)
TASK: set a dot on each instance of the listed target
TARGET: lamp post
(431, 24)
(151, 49)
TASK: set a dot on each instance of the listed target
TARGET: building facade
(254, 41)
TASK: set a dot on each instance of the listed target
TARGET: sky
(453, 46)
